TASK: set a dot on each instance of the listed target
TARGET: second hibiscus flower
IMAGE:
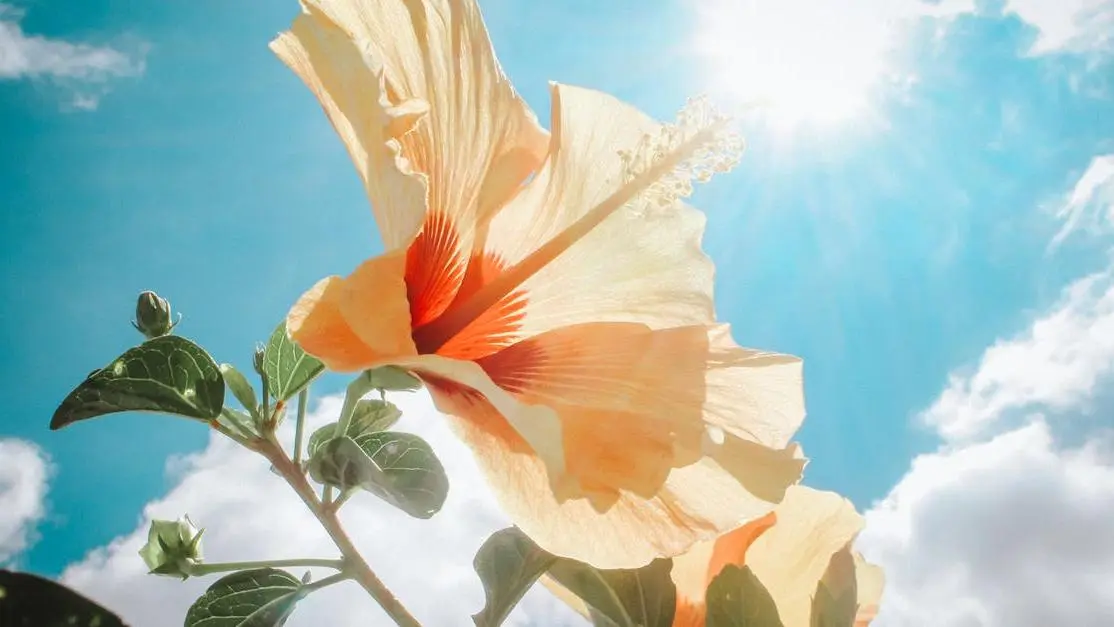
(548, 288)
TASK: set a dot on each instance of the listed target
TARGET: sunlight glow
(798, 60)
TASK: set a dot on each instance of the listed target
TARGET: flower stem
(198, 570)
(354, 562)
(300, 425)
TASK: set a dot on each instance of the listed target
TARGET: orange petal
(731, 548)
(635, 403)
(693, 503)
(316, 324)
(871, 581)
(536, 427)
(374, 304)
(791, 558)
(359, 321)
(479, 140)
(695, 569)
(634, 266)
(350, 87)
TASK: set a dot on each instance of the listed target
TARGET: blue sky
(889, 248)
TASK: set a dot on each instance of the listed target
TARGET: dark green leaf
(599, 619)
(643, 597)
(369, 416)
(341, 463)
(288, 368)
(836, 600)
(736, 598)
(393, 379)
(241, 388)
(28, 600)
(829, 610)
(399, 468)
(411, 477)
(508, 563)
(168, 374)
(263, 597)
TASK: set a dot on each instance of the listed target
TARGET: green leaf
(399, 468)
(168, 374)
(643, 597)
(28, 600)
(262, 597)
(373, 415)
(237, 422)
(288, 368)
(829, 610)
(341, 463)
(836, 600)
(369, 416)
(736, 598)
(241, 387)
(508, 563)
(599, 619)
(411, 477)
(394, 379)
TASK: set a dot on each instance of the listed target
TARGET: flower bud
(173, 547)
(152, 315)
(257, 359)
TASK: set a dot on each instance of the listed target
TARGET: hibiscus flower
(549, 288)
(805, 539)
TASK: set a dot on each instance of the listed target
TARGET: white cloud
(1058, 364)
(84, 67)
(1004, 526)
(1090, 204)
(1013, 532)
(250, 514)
(24, 471)
(1068, 25)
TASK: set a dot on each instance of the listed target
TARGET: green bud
(173, 547)
(257, 359)
(152, 315)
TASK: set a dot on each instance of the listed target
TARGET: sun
(796, 61)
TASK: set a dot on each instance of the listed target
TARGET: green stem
(340, 499)
(327, 581)
(266, 398)
(354, 562)
(356, 389)
(223, 567)
(300, 425)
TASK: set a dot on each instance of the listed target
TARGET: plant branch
(203, 568)
(327, 581)
(354, 562)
